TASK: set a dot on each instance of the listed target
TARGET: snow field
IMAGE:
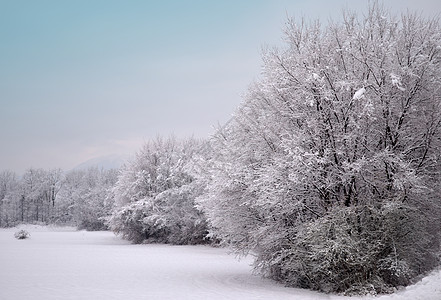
(61, 263)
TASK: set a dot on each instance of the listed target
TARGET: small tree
(21, 234)
(329, 171)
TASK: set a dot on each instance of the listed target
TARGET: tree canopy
(329, 170)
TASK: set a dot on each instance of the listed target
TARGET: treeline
(328, 173)
(78, 198)
(151, 198)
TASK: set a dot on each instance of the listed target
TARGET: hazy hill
(107, 162)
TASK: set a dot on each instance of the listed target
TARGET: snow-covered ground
(61, 263)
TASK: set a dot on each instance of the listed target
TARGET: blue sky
(82, 79)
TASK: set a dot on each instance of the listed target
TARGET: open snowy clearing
(61, 263)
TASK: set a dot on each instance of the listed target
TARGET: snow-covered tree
(84, 200)
(30, 198)
(8, 198)
(154, 195)
(329, 170)
(38, 190)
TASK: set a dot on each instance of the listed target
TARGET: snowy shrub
(353, 249)
(155, 196)
(22, 234)
(128, 221)
(329, 171)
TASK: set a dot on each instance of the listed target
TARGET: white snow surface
(62, 263)
(359, 94)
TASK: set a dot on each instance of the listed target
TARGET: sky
(89, 78)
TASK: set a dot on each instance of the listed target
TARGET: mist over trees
(329, 170)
